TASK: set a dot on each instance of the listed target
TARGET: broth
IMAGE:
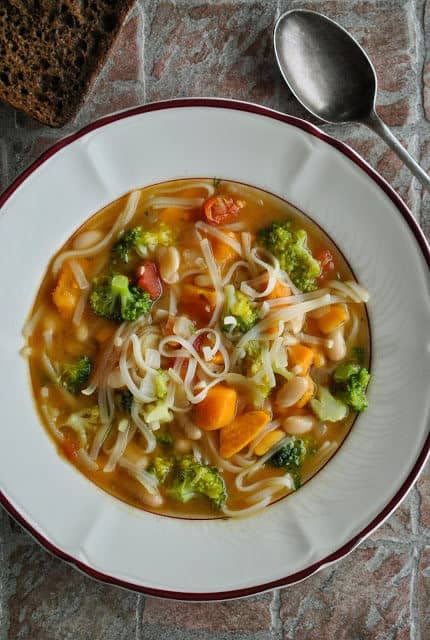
(64, 327)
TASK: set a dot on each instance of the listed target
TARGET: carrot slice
(269, 440)
(280, 290)
(67, 293)
(217, 409)
(299, 355)
(241, 432)
(335, 316)
(197, 301)
(221, 250)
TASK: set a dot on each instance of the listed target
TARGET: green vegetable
(164, 438)
(160, 383)
(161, 467)
(350, 383)
(83, 421)
(192, 479)
(124, 400)
(290, 248)
(157, 412)
(290, 457)
(114, 298)
(217, 182)
(252, 361)
(243, 310)
(328, 408)
(74, 375)
(142, 241)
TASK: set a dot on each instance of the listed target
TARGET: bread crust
(51, 51)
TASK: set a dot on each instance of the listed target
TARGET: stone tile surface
(171, 48)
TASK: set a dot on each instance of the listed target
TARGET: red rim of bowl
(221, 103)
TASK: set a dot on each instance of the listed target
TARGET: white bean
(291, 392)
(338, 350)
(169, 260)
(87, 239)
(183, 446)
(296, 425)
(192, 432)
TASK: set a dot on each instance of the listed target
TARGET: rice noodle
(49, 367)
(122, 220)
(79, 275)
(216, 233)
(272, 271)
(148, 481)
(350, 290)
(246, 248)
(151, 442)
(51, 423)
(216, 279)
(117, 450)
(353, 330)
(270, 426)
(80, 307)
(240, 264)
(33, 321)
(85, 460)
(294, 299)
(178, 203)
(307, 339)
(283, 314)
(221, 463)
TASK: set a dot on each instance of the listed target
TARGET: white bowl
(387, 446)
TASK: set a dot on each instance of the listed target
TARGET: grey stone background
(188, 47)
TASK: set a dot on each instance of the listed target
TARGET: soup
(198, 348)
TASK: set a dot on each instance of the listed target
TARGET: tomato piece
(326, 261)
(221, 209)
(149, 279)
(70, 450)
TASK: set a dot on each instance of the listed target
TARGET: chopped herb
(217, 182)
(358, 353)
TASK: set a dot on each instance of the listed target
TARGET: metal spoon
(331, 75)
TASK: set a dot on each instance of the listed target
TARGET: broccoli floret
(290, 457)
(164, 438)
(160, 384)
(157, 412)
(124, 400)
(350, 383)
(114, 298)
(161, 467)
(193, 479)
(253, 361)
(328, 408)
(142, 241)
(74, 375)
(122, 249)
(240, 307)
(83, 421)
(290, 248)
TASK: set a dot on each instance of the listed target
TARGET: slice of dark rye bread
(51, 51)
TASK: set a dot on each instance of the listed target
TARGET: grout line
(140, 608)
(419, 22)
(142, 49)
(275, 612)
(414, 612)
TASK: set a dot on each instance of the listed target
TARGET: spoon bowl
(332, 76)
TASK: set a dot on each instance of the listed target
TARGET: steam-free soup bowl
(388, 444)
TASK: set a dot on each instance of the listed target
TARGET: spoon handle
(375, 123)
